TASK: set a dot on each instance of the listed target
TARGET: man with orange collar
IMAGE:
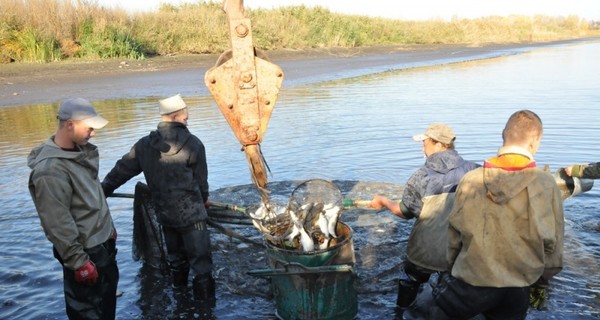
(506, 230)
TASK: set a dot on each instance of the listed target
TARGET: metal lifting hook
(245, 86)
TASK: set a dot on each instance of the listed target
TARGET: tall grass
(50, 30)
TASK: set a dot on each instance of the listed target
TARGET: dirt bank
(27, 84)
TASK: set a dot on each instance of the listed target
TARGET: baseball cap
(171, 104)
(82, 110)
(437, 131)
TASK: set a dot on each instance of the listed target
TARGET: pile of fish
(308, 227)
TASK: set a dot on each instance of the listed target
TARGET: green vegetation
(52, 30)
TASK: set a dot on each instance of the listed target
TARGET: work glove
(206, 204)
(87, 274)
(577, 170)
(538, 296)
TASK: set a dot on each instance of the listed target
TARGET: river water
(349, 129)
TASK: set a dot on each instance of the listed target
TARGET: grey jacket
(506, 227)
(69, 200)
(174, 164)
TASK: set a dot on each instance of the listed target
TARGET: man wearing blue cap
(68, 197)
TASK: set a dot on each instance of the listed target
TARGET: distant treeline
(52, 30)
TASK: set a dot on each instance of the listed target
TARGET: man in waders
(174, 164)
(428, 197)
(506, 231)
(66, 191)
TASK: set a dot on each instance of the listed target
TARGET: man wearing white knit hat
(174, 164)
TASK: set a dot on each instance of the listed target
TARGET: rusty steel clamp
(245, 86)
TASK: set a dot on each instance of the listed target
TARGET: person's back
(175, 168)
(427, 197)
(505, 230)
(506, 226)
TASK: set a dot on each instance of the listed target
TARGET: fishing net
(148, 243)
(315, 191)
(311, 193)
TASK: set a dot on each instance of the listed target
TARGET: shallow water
(352, 129)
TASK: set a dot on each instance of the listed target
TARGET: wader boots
(407, 292)
(180, 274)
(204, 287)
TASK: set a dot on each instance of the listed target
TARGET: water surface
(352, 129)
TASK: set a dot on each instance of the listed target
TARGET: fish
(293, 231)
(261, 212)
(324, 243)
(332, 213)
(308, 244)
(267, 217)
(308, 226)
(312, 213)
(298, 221)
(323, 224)
(259, 216)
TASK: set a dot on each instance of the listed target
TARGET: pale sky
(410, 9)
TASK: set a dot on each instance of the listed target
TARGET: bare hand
(377, 202)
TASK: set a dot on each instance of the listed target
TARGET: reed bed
(53, 30)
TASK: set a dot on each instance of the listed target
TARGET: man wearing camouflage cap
(428, 196)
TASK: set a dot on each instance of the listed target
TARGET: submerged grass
(51, 30)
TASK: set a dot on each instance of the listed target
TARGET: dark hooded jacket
(174, 164)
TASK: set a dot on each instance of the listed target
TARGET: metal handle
(295, 268)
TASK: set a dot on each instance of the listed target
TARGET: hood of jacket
(507, 174)
(88, 157)
(444, 161)
(170, 137)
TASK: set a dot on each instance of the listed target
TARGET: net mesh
(315, 191)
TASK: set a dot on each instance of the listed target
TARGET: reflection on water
(357, 129)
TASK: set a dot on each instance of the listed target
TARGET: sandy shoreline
(28, 84)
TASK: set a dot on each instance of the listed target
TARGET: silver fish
(306, 240)
(332, 213)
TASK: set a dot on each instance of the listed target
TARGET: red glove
(206, 204)
(87, 274)
(115, 234)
